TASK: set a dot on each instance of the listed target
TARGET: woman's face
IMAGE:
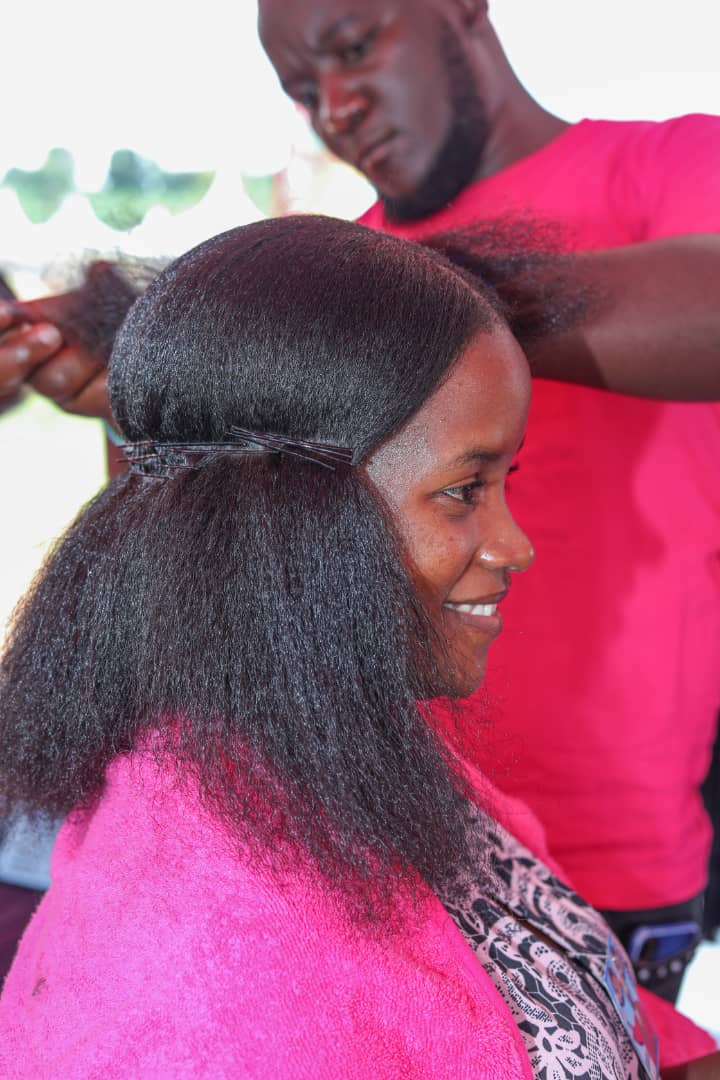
(443, 476)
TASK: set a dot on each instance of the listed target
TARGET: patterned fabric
(546, 951)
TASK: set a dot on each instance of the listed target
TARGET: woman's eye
(513, 469)
(466, 493)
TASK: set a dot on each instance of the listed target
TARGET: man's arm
(643, 319)
(704, 1068)
(652, 323)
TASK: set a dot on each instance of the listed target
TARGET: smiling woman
(276, 862)
(444, 477)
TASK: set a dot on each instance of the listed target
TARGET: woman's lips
(484, 617)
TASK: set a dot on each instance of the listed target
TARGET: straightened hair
(253, 620)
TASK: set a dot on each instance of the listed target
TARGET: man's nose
(342, 105)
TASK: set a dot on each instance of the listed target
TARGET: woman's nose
(508, 548)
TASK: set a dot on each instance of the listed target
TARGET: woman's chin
(458, 675)
(468, 678)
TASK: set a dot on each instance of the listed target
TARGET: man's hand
(705, 1068)
(33, 352)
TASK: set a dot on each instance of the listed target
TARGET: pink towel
(159, 953)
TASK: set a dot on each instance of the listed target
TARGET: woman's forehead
(478, 414)
(480, 405)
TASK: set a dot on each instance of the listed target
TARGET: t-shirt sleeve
(673, 169)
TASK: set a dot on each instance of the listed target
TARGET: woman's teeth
(474, 609)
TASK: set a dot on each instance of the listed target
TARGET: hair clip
(320, 453)
(158, 460)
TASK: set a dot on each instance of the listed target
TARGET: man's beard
(457, 160)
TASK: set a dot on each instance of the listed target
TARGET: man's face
(389, 89)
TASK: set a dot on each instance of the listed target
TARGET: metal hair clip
(160, 460)
(321, 453)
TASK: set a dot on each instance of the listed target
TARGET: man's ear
(473, 13)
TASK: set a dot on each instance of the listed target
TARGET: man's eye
(307, 97)
(358, 50)
(466, 493)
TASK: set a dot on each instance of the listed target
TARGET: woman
(278, 864)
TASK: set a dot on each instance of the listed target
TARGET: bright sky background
(188, 84)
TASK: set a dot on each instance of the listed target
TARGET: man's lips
(374, 152)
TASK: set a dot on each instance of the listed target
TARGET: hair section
(253, 618)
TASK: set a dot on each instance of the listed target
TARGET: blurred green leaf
(260, 190)
(135, 185)
(41, 191)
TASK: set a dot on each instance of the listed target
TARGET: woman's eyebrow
(476, 456)
(479, 455)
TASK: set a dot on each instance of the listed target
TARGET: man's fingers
(9, 401)
(92, 399)
(35, 354)
(7, 315)
(64, 375)
(22, 349)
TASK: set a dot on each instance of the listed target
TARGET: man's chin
(457, 163)
(448, 176)
(415, 206)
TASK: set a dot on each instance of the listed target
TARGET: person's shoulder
(664, 172)
(670, 166)
(633, 133)
(373, 217)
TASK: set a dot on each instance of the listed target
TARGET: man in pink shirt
(606, 684)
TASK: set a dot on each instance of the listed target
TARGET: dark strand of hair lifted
(254, 614)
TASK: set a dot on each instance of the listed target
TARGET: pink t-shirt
(606, 679)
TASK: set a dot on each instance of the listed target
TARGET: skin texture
(353, 67)
(405, 71)
(34, 353)
(445, 486)
(706, 1068)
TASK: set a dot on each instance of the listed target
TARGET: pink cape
(159, 953)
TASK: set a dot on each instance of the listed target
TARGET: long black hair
(255, 614)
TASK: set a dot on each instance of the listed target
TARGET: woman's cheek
(441, 561)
